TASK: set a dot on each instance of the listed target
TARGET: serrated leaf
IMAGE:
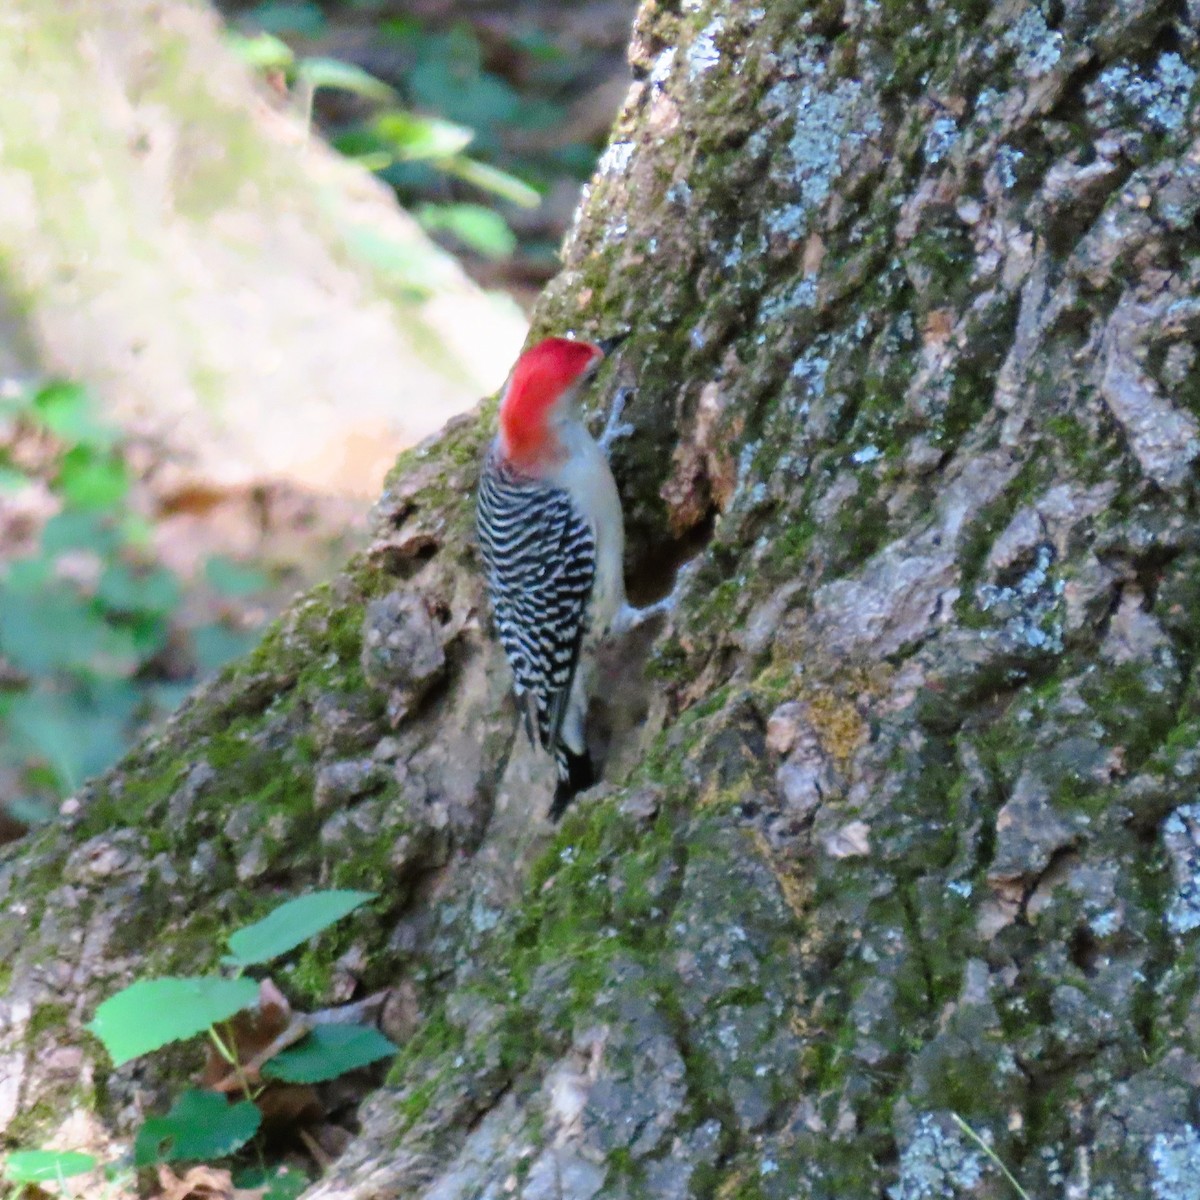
(153, 1012)
(46, 1166)
(344, 77)
(330, 1051)
(200, 1125)
(415, 137)
(290, 925)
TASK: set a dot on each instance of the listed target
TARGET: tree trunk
(901, 830)
(175, 240)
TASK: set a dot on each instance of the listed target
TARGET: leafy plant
(203, 1124)
(87, 614)
(395, 135)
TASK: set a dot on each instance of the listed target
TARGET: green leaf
(92, 481)
(231, 578)
(492, 179)
(330, 1051)
(415, 265)
(75, 733)
(200, 1125)
(153, 1012)
(480, 228)
(73, 530)
(344, 76)
(68, 411)
(287, 1185)
(263, 51)
(416, 137)
(49, 630)
(280, 1184)
(126, 591)
(291, 924)
(46, 1166)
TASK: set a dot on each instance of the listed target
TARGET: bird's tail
(575, 772)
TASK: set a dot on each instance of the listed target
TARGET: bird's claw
(614, 428)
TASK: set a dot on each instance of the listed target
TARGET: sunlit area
(283, 242)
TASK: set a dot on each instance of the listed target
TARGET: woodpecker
(552, 538)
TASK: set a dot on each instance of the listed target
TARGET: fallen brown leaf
(249, 1033)
(200, 1183)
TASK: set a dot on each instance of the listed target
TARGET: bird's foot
(629, 618)
(613, 427)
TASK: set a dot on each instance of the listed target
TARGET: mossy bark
(900, 838)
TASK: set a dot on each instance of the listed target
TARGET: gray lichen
(1176, 1160)
(1037, 46)
(937, 1162)
(1181, 837)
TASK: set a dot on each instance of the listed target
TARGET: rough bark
(172, 238)
(910, 827)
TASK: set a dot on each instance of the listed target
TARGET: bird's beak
(609, 344)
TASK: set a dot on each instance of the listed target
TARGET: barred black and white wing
(540, 557)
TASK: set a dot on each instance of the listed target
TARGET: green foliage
(483, 230)
(87, 616)
(152, 1013)
(314, 73)
(200, 1126)
(330, 1051)
(415, 128)
(280, 1184)
(290, 925)
(46, 1166)
(395, 134)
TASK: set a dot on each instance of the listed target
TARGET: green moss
(310, 980)
(942, 259)
(859, 530)
(790, 547)
(1135, 706)
(428, 1062)
(46, 1017)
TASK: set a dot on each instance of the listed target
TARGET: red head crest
(542, 374)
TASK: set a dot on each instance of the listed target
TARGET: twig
(991, 1154)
